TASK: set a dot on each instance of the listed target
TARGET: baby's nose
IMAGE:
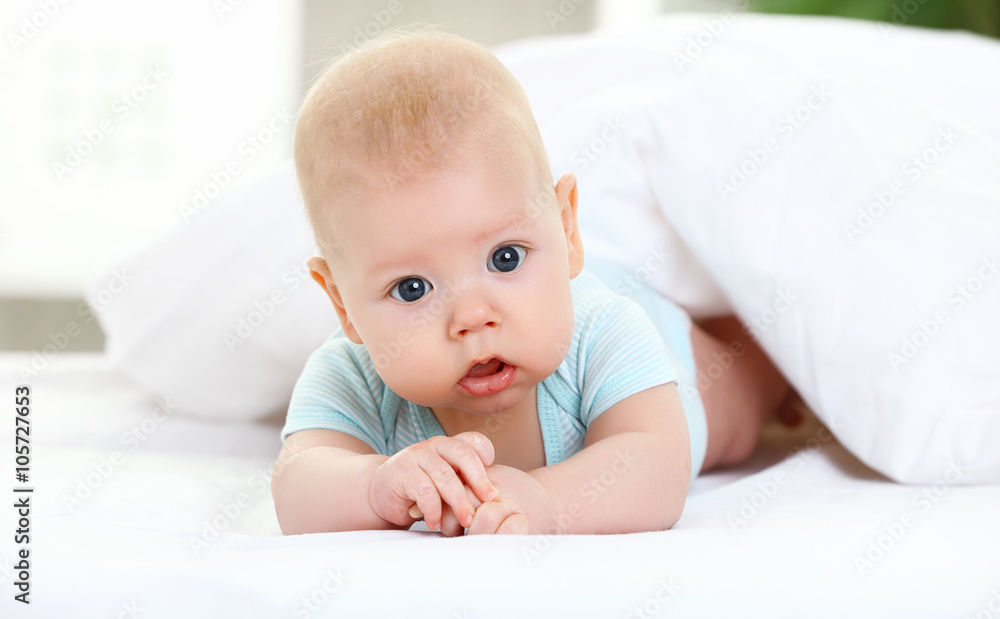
(472, 313)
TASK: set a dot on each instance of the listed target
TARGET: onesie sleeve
(622, 354)
(338, 390)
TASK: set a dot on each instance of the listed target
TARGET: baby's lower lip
(488, 385)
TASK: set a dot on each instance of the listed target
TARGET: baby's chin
(487, 406)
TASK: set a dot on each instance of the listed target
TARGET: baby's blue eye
(506, 259)
(410, 289)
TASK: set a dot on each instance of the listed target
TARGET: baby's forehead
(503, 161)
(473, 200)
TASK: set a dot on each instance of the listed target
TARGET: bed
(140, 511)
(151, 462)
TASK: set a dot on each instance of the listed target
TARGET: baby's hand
(427, 473)
(524, 508)
(449, 521)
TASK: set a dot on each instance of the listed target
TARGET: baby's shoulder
(594, 303)
(340, 359)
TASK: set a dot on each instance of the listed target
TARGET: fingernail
(493, 495)
(468, 521)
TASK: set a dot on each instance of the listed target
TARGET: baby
(483, 379)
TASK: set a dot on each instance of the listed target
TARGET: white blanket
(835, 183)
(138, 512)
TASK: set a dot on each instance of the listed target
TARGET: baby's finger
(416, 514)
(497, 517)
(428, 502)
(472, 462)
(449, 523)
(450, 489)
(479, 442)
(515, 524)
(472, 498)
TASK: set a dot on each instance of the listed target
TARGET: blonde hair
(408, 101)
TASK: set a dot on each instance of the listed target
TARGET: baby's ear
(320, 272)
(566, 198)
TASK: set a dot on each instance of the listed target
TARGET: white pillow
(221, 313)
(793, 222)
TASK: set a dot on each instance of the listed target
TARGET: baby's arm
(633, 475)
(331, 481)
(318, 476)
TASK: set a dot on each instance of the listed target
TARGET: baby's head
(446, 249)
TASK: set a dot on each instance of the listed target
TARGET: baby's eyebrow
(518, 223)
(373, 275)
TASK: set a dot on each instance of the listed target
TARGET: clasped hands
(452, 483)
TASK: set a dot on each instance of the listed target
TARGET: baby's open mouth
(492, 366)
(489, 377)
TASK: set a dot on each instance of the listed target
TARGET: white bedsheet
(142, 544)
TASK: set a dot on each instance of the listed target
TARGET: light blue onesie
(618, 350)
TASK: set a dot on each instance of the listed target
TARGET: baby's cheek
(406, 379)
(562, 345)
(416, 359)
(558, 332)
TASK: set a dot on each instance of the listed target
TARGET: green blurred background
(982, 16)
